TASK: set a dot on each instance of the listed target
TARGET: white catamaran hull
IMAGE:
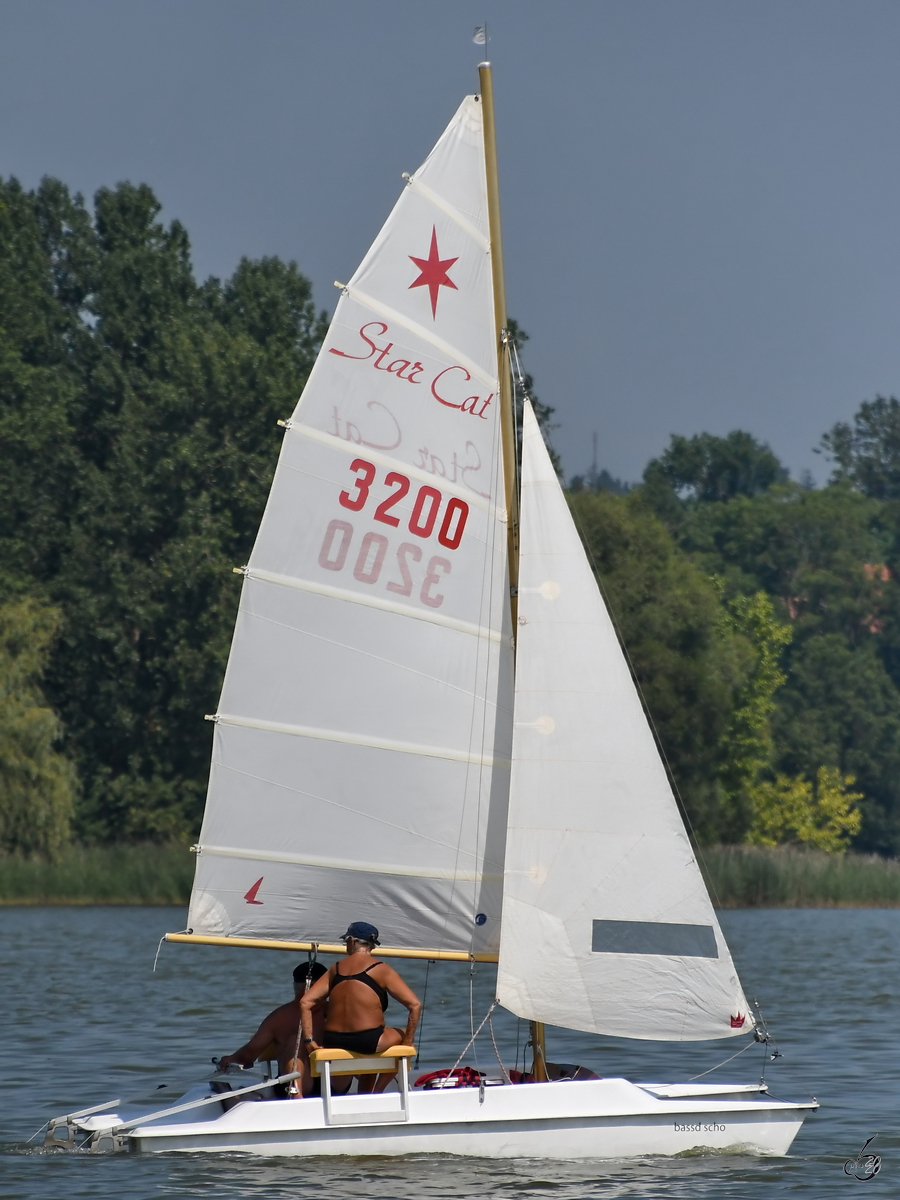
(609, 1118)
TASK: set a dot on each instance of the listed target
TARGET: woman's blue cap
(363, 931)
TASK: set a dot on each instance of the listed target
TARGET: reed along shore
(143, 873)
(737, 876)
(797, 877)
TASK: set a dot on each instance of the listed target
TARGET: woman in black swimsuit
(357, 999)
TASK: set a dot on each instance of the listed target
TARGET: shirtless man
(277, 1036)
(357, 998)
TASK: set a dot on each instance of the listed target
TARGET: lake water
(85, 1020)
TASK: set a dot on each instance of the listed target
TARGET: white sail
(607, 925)
(361, 757)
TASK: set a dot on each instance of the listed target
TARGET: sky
(700, 199)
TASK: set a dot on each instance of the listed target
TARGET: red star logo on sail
(433, 272)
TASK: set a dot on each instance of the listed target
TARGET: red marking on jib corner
(736, 1022)
(250, 897)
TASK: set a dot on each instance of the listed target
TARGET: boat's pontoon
(592, 1118)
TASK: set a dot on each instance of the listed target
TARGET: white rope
(292, 1086)
(520, 380)
(470, 1042)
(520, 374)
(496, 1051)
(722, 1064)
(160, 946)
(156, 959)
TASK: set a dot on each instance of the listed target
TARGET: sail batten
(420, 331)
(357, 739)
(336, 864)
(452, 212)
(405, 610)
(607, 926)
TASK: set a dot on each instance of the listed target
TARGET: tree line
(137, 446)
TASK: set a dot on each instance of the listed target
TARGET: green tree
(867, 453)
(748, 746)
(821, 814)
(708, 468)
(42, 248)
(841, 709)
(808, 549)
(37, 782)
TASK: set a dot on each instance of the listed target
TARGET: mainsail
(607, 925)
(361, 754)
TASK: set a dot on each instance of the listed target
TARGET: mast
(507, 421)
(507, 416)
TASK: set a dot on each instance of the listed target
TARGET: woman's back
(356, 998)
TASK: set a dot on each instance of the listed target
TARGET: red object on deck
(462, 1077)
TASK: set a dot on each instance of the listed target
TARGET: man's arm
(404, 994)
(250, 1052)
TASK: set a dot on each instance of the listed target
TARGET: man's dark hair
(309, 970)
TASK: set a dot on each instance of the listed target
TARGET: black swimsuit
(363, 977)
(359, 1041)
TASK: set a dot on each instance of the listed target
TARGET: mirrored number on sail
(429, 514)
(436, 568)
(370, 559)
(333, 554)
(369, 562)
(404, 586)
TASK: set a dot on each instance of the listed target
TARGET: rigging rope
(472, 1039)
(295, 1087)
(722, 1064)
(496, 1051)
(520, 380)
(421, 1037)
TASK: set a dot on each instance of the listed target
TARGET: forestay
(607, 925)
(361, 757)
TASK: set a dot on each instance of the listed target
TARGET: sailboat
(427, 722)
